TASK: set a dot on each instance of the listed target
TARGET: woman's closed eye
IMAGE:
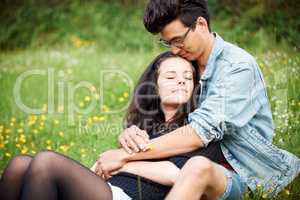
(170, 75)
(188, 75)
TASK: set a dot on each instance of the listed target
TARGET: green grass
(74, 46)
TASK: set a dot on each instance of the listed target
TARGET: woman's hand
(133, 139)
(110, 162)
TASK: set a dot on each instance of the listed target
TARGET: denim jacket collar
(217, 49)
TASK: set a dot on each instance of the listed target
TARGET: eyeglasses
(178, 41)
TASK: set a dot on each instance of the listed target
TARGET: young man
(233, 109)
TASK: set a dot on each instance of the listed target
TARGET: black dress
(140, 188)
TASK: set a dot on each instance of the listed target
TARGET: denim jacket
(233, 108)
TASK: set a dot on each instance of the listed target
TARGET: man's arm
(182, 140)
(179, 141)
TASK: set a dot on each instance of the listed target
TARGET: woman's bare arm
(163, 172)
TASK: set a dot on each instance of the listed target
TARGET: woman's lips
(179, 90)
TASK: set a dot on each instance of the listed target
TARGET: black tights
(50, 175)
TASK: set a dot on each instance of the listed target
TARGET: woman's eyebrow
(187, 71)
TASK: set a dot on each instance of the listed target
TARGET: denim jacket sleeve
(229, 102)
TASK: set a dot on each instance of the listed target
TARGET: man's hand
(133, 139)
(110, 162)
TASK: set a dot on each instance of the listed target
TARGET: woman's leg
(54, 176)
(199, 178)
(12, 177)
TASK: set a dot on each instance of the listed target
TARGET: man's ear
(201, 23)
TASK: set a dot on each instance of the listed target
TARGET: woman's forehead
(174, 64)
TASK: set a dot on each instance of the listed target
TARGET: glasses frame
(179, 41)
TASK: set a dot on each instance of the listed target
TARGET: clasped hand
(111, 162)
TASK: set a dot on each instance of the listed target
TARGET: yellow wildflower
(43, 118)
(49, 147)
(20, 130)
(31, 120)
(77, 42)
(13, 119)
(48, 142)
(55, 121)
(93, 89)
(45, 108)
(151, 146)
(125, 94)
(33, 152)
(60, 109)
(64, 148)
(87, 99)
(24, 150)
(105, 108)
(95, 118)
(102, 118)
(61, 134)
(32, 144)
(22, 138)
(287, 192)
(264, 196)
(90, 121)
(18, 145)
(7, 154)
(2, 145)
(121, 99)
(81, 104)
(35, 131)
(12, 124)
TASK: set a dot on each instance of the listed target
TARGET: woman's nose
(181, 81)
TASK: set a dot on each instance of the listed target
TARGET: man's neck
(203, 59)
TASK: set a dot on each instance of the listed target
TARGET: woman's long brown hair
(145, 111)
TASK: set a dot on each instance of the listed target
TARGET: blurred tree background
(279, 17)
(23, 21)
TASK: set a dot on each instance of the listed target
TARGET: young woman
(162, 100)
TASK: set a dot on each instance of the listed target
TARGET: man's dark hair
(159, 13)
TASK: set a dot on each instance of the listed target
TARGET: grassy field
(77, 70)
